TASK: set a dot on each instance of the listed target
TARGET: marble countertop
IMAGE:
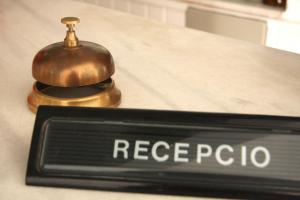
(157, 67)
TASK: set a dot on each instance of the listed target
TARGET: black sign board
(172, 152)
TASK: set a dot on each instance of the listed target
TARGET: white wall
(293, 11)
(285, 34)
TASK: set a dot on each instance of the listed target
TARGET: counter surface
(157, 67)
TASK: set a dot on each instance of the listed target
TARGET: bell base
(108, 96)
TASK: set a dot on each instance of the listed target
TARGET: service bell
(73, 73)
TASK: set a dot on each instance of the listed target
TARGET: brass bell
(73, 73)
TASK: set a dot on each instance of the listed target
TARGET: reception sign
(225, 155)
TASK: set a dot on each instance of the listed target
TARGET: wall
(166, 11)
(227, 25)
(285, 34)
(281, 34)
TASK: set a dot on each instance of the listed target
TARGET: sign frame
(216, 185)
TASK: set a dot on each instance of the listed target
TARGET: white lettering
(266, 153)
(154, 151)
(139, 149)
(219, 150)
(161, 151)
(200, 152)
(243, 156)
(179, 151)
(123, 149)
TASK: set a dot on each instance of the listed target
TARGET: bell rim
(109, 97)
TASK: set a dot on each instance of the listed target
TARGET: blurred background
(274, 23)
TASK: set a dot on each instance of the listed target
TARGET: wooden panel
(121, 5)
(168, 11)
(240, 28)
(157, 13)
(138, 8)
(104, 3)
(176, 17)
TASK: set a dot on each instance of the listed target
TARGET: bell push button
(187, 153)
